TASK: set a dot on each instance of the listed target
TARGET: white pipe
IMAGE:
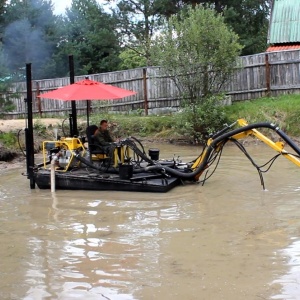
(52, 174)
(55, 131)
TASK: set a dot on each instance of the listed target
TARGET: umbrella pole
(88, 113)
(73, 103)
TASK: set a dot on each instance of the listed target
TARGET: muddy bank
(10, 158)
(17, 162)
(6, 154)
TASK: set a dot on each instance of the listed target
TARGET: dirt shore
(17, 163)
(16, 124)
(17, 159)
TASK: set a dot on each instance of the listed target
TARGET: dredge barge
(74, 162)
(128, 168)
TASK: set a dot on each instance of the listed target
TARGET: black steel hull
(83, 180)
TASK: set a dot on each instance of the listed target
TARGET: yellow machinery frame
(70, 144)
(73, 144)
(277, 146)
(118, 155)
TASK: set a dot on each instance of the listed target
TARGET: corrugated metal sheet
(285, 22)
(283, 47)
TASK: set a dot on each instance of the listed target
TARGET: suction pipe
(52, 173)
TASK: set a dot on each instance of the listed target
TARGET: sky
(61, 5)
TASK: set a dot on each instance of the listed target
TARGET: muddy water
(228, 239)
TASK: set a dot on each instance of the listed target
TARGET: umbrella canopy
(87, 90)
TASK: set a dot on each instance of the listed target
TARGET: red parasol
(87, 90)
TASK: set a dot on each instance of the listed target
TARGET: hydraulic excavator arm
(217, 142)
(277, 146)
(213, 151)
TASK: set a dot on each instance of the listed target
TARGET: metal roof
(283, 47)
(285, 22)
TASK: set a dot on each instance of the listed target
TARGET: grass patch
(8, 139)
(131, 125)
(283, 110)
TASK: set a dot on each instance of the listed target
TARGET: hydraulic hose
(18, 136)
(137, 151)
(86, 162)
(62, 126)
(139, 142)
(215, 142)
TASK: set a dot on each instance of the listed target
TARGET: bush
(203, 119)
(197, 51)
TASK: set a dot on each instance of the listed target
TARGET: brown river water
(228, 239)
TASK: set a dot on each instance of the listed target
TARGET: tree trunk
(218, 6)
(147, 35)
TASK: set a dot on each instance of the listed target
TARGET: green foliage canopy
(198, 51)
(90, 34)
(248, 18)
(30, 32)
(138, 22)
(131, 59)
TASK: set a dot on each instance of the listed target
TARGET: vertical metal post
(145, 90)
(73, 103)
(29, 129)
(88, 110)
(268, 76)
(71, 125)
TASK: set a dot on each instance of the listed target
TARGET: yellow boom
(277, 146)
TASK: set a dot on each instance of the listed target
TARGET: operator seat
(94, 148)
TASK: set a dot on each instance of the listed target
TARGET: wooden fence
(264, 74)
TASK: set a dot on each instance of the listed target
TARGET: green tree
(198, 51)
(138, 22)
(248, 18)
(58, 66)
(6, 104)
(3, 4)
(131, 59)
(90, 35)
(29, 35)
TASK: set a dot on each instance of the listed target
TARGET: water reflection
(107, 247)
(290, 282)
